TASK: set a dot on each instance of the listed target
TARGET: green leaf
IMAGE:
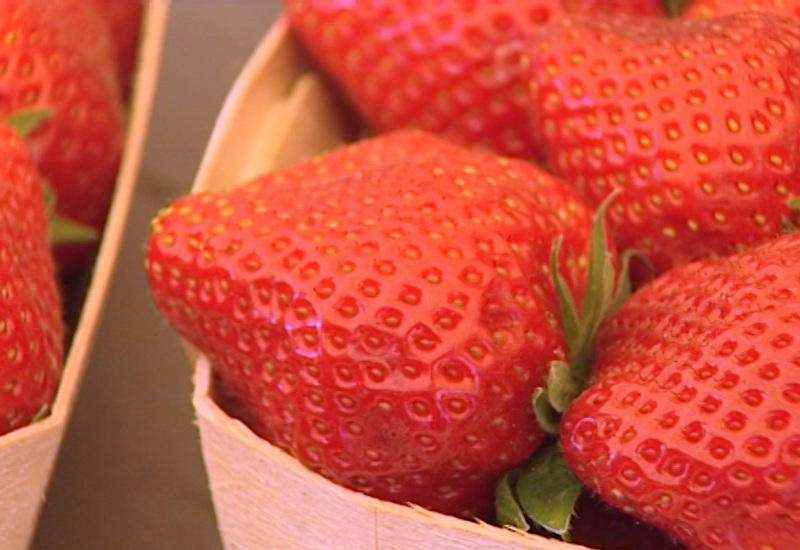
(549, 419)
(675, 7)
(600, 283)
(63, 230)
(570, 323)
(27, 120)
(561, 386)
(624, 284)
(794, 204)
(547, 490)
(508, 508)
(67, 231)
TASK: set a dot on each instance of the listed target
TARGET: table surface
(130, 475)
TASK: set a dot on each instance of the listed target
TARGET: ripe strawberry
(77, 148)
(124, 19)
(695, 122)
(451, 67)
(710, 8)
(31, 330)
(691, 422)
(383, 312)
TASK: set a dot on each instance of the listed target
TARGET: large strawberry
(695, 122)
(450, 67)
(77, 148)
(691, 422)
(31, 330)
(384, 311)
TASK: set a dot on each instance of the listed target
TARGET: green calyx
(63, 230)
(606, 289)
(541, 494)
(675, 7)
(25, 121)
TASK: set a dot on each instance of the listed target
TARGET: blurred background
(130, 474)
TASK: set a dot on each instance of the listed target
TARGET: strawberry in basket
(55, 61)
(451, 67)
(31, 329)
(695, 122)
(691, 421)
(385, 311)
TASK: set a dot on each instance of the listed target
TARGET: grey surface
(130, 475)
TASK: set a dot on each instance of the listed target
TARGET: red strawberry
(451, 67)
(124, 18)
(383, 312)
(710, 8)
(691, 422)
(695, 122)
(78, 147)
(79, 25)
(31, 330)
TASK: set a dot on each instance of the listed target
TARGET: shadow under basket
(28, 454)
(279, 111)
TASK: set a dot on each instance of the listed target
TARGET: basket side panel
(261, 504)
(25, 467)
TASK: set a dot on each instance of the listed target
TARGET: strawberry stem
(606, 289)
(545, 490)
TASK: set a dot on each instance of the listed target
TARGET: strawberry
(383, 312)
(77, 148)
(451, 67)
(691, 420)
(710, 8)
(31, 329)
(696, 124)
(124, 19)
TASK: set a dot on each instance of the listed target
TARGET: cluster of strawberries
(65, 71)
(441, 314)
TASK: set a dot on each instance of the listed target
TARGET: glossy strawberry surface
(695, 122)
(691, 422)
(452, 67)
(383, 312)
(31, 330)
